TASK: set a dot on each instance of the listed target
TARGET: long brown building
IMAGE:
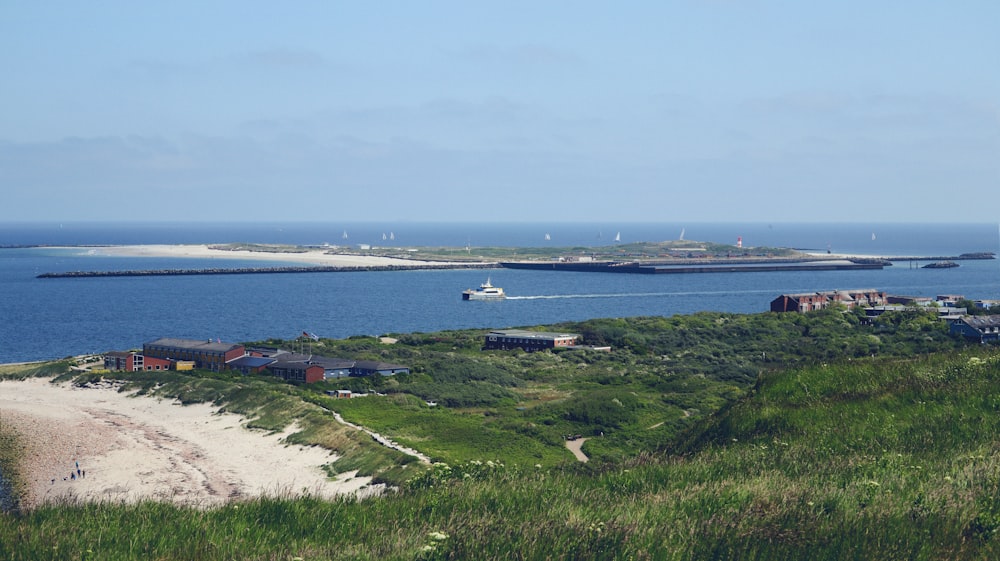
(206, 354)
(529, 340)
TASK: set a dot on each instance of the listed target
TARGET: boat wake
(631, 295)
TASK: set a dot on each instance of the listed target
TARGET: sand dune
(310, 257)
(132, 448)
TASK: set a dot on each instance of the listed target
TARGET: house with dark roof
(250, 364)
(296, 371)
(528, 340)
(372, 367)
(982, 328)
(332, 368)
(205, 354)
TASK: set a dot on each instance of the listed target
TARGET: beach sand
(132, 448)
(318, 257)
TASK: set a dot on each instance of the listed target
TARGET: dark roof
(194, 344)
(979, 322)
(293, 365)
(119, 354)
(326, 362)
(375, 365)
(332, 363)
(524, 334)
(250, 361)
(266, 351)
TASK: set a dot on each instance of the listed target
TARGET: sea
(45, 319)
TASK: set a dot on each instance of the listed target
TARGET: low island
(644, 258)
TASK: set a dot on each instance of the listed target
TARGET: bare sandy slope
(308, 257)
(133, 448)
(576, 447)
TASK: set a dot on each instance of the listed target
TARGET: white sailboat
(384, 236)
(548, 237)
(392, 236)
(873, 236)
(345, 235)
(618, 237)
(682, 235)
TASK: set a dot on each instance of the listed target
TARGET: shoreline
(131, 448)
(315, 257)
(322, 257)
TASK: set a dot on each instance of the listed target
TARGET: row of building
(186, 354)
(866, 298)
(981, 328)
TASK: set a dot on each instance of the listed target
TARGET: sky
(583, 111)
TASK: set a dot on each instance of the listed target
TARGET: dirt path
(575, 446)
(383, 440)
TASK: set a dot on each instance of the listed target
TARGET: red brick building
(133, 362)
(297, 371)
(207, 355)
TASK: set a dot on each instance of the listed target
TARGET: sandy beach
(133, 448)
(318, 257)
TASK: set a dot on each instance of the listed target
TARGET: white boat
(486, 291)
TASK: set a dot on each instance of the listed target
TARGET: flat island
(680, 256)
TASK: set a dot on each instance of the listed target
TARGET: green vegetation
(772, 436)
(260, 248)
(661, 377)
(676, 249)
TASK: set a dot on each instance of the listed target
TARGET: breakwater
(714, 267)
(259, 270)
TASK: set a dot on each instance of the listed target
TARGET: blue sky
(712, 110)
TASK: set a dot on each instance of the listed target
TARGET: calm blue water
(52, 318)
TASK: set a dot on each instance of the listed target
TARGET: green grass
(447, 435)
(712, 436)
(878, 459)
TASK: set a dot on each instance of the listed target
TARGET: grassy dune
(876, 459)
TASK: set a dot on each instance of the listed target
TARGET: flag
(312, 336)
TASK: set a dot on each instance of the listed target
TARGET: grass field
(894, 459)
(892, 456)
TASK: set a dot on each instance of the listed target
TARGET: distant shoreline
(323, 259)
(318, 257)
